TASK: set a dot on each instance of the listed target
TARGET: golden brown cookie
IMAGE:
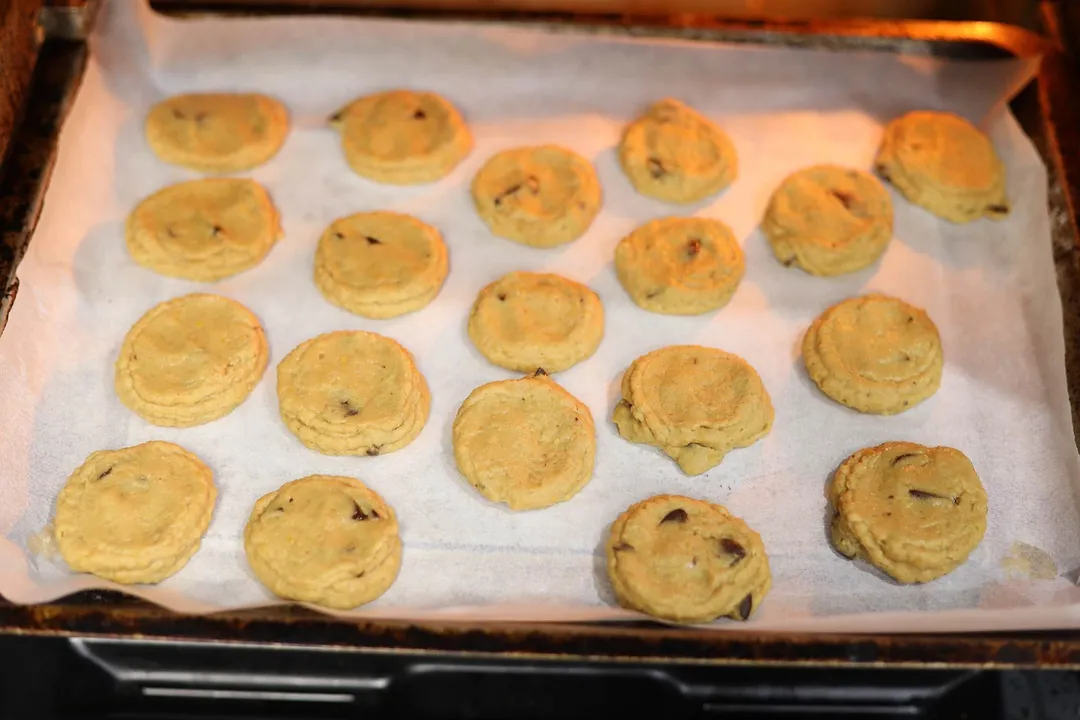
(686, 560)
(829, 220)
(527, 443)
(380, 264)
(352, 393)
(326, 540)
(402, 137)
(680, 266)
(134, 515)
(915, 512)
(217, 132)
(944, 164)
(540, 196)
(524, 321)
(675, 154)
(874, 353)
(694, 403)
(191, 360)
(203, 230)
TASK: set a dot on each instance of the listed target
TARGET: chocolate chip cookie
(352, 393)
(687, 561)
(380, 264)
(134, 515)
(829, 220)
(527, 443)
(524, 321)
(694, 403)
(680, 266)
(326, 540)
(203, 230)
(217, 132)
(944, 164)
(915, 512)
(874, 353)
(402, 137)
(675, 154)
(191, 360)
(540, 196)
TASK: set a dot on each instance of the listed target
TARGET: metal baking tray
(120, 634)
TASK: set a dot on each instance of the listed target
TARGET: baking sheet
(989, 286)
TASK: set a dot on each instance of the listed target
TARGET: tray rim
(123, 617)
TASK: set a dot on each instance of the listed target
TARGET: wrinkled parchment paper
(989, 286)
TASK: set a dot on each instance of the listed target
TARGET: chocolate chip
(539, 371)
(373, 450)
(846, 199)
(788, 262)
(905, 456)
(693, 247)
(656, 168)
(502, 297)
(924, 495)
(105, 474)
(170, 232)
(339, 236)
(622, 547)
(336, 117)
(653, 293)
(732, 548)
(746, 606)
(215, 230)
(360, 574)
(177, 114)
(372, 241)
(507, 193)
(359, 514)
(419, 115)
(350, 411)
(678, 515)
(883, 172)
(998, 209)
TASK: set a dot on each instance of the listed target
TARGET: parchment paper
(989, 286)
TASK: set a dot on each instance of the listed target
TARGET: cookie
(380, 264)
(673, 153)
(352, 393)
(540, 196)
(191, 360)
(134, 515)
(217, 132)
(402, 137)
(915, 512)
(874, 353)
(527, 443)
(943, 163)
(687, 561)
(326, 540)
(829, 220)
(680, 266)
(694, 403)
(524, 321)
(203, 230)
